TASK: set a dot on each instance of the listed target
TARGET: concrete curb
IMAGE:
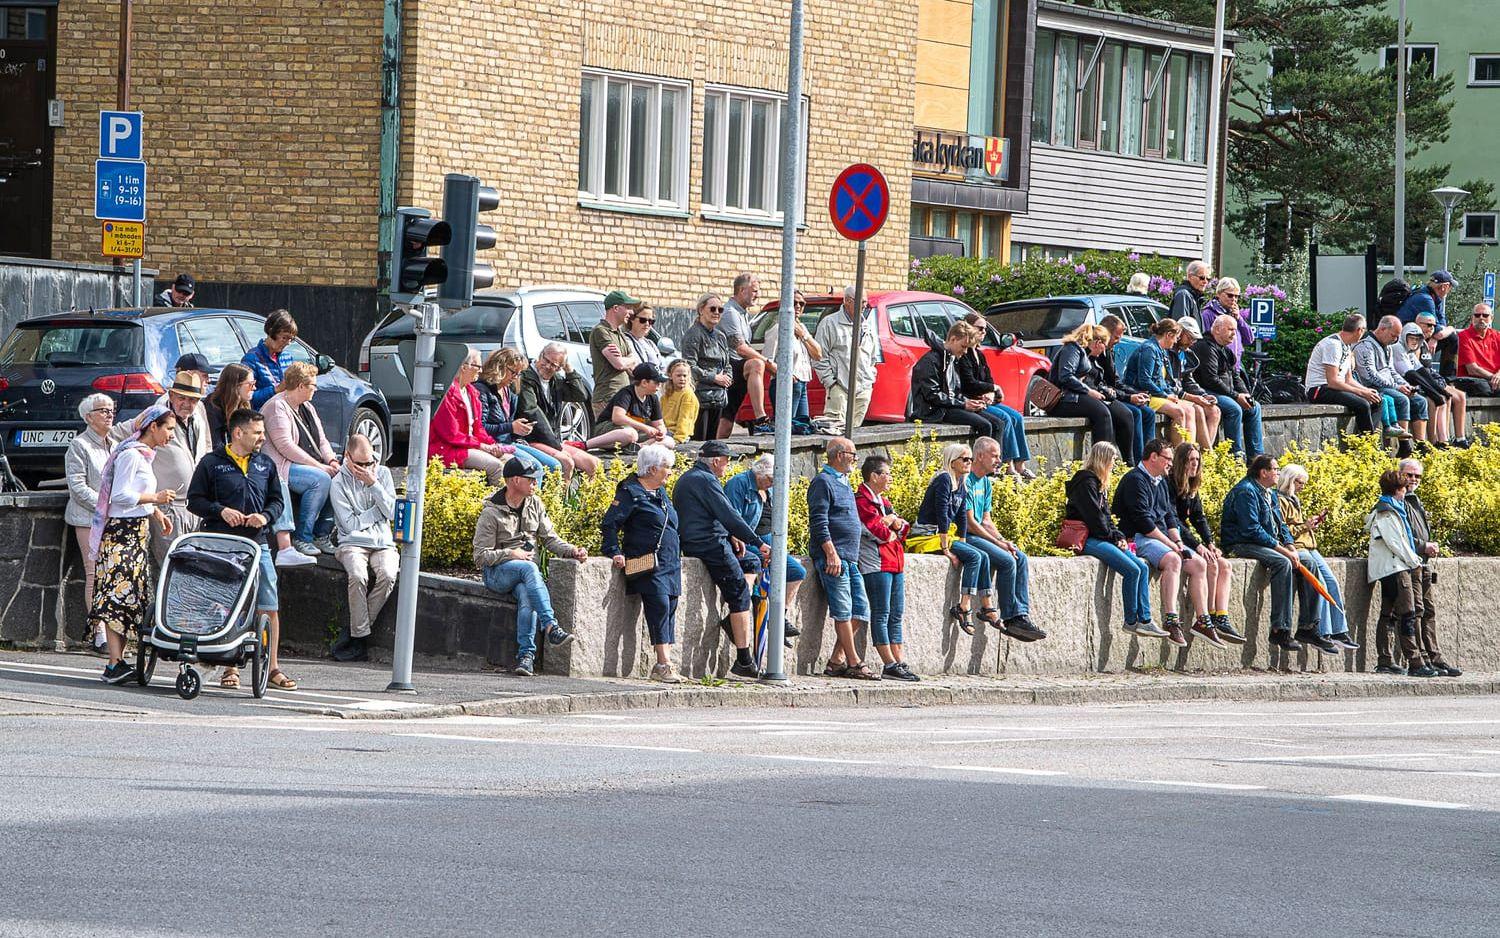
(907, 695)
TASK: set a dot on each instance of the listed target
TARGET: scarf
(107, 475)
(1400, 509)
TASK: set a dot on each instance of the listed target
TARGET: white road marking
(1407, 802)
(765, 755)
(998, 769)
(1329, 757)
(544, 742)
(1227, 786)
(1042, 739)
(797, 732)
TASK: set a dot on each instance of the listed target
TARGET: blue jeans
(541, 458)
(801, 416)
(974, 576)
(533, 602)
(845, 593)
(1012, 576)
(1135, 573)
(795, 572)
(1406, 408)
(1013, 440)
(1242, 427)
(887, 592)
(1330, 618)
(314, 513)
(1145, 425)
(284, 520)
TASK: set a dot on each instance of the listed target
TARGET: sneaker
(1205, 627)
(558, 636)
(100, 646)
(762, 427)
(1282, 638)
(1447, 669)
(898, 671)
(1396, 433)
(1145, 629)
(1344, 640)
(788, 629)
(1021, 629)
(325, 544)
(665, 674)
(1462, 442)
(1026, 473)
(1175, 634)
(1311, 637)
(306, 547)
(1390, 669)
(291, 557)
(1226, 631)
(1422, 670)
(117, 673)
(524, 665)
(742, 672)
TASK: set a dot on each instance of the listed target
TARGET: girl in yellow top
(679, 405)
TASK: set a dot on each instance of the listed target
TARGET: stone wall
(41, 574)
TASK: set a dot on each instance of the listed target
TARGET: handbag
(1043, 394)
(642, 565)
(1072, 535)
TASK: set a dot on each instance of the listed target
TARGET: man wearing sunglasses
(1187, 299)
(1479, 355)
(364, 502)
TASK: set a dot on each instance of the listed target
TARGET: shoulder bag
(1072, 535)
(644, 565)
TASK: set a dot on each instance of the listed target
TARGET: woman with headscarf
(120, 536)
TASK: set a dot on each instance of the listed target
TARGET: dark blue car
(50, 363)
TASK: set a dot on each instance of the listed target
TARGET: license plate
(44, 437)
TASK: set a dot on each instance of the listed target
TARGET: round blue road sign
(859, 202)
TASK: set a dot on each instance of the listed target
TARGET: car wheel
(369, 424)
(575, 423)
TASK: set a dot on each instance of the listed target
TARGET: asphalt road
(1370, 819)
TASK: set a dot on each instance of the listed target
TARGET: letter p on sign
(119, 135)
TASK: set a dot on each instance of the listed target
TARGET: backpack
(1392, 297)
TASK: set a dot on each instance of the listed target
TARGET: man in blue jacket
(749, 494)
(834, 527)
(264, 361)
(1253, 527)
(713, 532)
(1433, 298)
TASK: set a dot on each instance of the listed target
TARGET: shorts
(846, 595)
(267, 594)
(726, 572)
(1157, 403)
(737, 389)
(1151, 550)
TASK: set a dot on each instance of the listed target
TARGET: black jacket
(931, 391)
(1086, 503)
(707, 518)
(1216, 370)
(639, 522)
(1075, 372)
(974, 376)
(1142, 504)
(218, 483)
(1110, 376)
(1182, 376)
(218, 426)
(546, 416)
(1189, 510)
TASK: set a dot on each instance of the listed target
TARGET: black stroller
(205, 612)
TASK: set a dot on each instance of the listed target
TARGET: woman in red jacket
(882, 563)
(458, 436)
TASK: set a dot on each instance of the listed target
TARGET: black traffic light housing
(417, 232)
(463, 199)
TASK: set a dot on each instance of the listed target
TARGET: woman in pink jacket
(296, 443)
(457, 436)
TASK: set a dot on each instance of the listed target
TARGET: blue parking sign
(1263, 317)
(1489, 288)
(120, 190)
(119, 135)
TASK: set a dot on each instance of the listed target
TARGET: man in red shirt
(1479, 355)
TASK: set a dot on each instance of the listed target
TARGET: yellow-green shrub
(450, 508)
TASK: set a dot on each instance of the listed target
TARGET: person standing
(679, 402)
(938, 394)
(1219, 374)
(1331, 624)
(1008, 564)
(1226, 302)
(264, 360)
(1143, 502)
(750, 368)
(1254, 528)
(296, 443)
(364, 502)
(1424, 578)
(540, 402)
(705, 348)
(83, 465)
(805, 351)
(119, 536)
(1479, 355)
(638, 326)
(610, 350)
(1106, 542)
(882, 567)
(714, 533)
(834, 534)
(640, 534)
(1330, 375)
(179, 295)
(835, 334)
(174, 461)
(512, 524)
(1186, 478)
(1393, 556)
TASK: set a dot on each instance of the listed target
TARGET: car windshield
(64, 345)
(487, 322)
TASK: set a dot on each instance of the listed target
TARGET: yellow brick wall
(262, 132)
(944, 36)
(493, 91)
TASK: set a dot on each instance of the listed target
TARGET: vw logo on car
(48, 386)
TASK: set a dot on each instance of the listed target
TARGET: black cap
(185, 283)
(713, 448)
(192, 361)
(521, 466)
(1442, 276)
(646, 371)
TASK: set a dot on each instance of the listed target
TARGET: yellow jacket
(1302, 535)
(679, 409)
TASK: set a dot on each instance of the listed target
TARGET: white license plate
(45, 437)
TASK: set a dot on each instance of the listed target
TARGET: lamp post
(1448, 197)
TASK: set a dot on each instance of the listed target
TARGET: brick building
(634, 143)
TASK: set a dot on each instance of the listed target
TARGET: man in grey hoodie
(364, 501)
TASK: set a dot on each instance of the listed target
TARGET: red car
(904, 318)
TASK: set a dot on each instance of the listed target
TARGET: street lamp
(1448, 196)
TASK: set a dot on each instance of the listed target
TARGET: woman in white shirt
(82, 466)
(805, 351)
(638, 328)
(120, 536)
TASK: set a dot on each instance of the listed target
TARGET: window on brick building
(743, 153)
(633, 141)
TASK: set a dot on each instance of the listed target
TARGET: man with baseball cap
(610, 350)
(511, 525)
(637, 409)
(179, 294)
(1432, 298)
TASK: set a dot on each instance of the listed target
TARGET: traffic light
(463, 199)
(417, 231)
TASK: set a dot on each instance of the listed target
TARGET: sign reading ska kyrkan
(972, 157)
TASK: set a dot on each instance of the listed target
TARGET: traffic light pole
(429, 326)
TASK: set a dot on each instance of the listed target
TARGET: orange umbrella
(1317, 585)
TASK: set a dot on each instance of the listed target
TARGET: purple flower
(958, 289)
(1079, 268)
(915, 263)
(996, 278)
(1319, 330)
(1132, 256)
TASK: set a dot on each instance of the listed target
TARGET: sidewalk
(357, 691)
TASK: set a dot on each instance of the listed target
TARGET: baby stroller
(205, 612)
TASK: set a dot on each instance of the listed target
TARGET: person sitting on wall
(633, 416)
(457, 435)
(1253, 527)
(364, 502)
(1375, 367)
(1219, 374)
(976, 380)
(1479, 355)
(750, 494)
(1330, 375)
(500, 406)
(1149, 369)
(1181, 364)
(544, 387)
(938, 394)
(1105, 542)
(1417, 363)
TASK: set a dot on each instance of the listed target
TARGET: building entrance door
(28, 40)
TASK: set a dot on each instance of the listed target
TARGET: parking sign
(1263, 317)
(119, 135)
(1489, 288)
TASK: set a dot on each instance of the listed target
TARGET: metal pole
(135, 289)
(1399, 257)
(429, 325)
(1447, 229)
(791, 201)
(122, 102)
(1216, 83)
(859, 318)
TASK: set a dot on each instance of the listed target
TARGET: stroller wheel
(145, 662)
(189, 684)
(260, 671)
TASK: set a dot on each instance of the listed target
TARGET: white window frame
(1474, 58)
(1463, 228)
(1388, 55)
(713, 202)
(1270, 107)
(591, 192)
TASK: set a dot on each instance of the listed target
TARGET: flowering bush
(1297, 331)
(981, 281)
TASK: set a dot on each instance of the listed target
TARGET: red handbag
(1072, 535)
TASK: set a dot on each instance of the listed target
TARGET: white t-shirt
(801, 363)
(1330, 350)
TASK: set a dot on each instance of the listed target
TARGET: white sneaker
(325, 544)
(291, 557)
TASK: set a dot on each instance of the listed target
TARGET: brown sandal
(230, 680)
(858, 672)
(280, 681)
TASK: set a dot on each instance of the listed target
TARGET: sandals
(836, 670)
(230, 680)
(991, 615)
(859, 672)
(960, 616)
(278, 679)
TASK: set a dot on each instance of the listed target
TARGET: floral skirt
(122, 576)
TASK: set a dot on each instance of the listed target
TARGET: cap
(521, 466)
(646, 371)
(620, 298)
(188, 384)
(1190, 325)
(185, 283)
(192, 361)
(1442, 276)
(713, 448)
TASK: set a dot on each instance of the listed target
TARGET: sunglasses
(649, 322)
(799, 306)
(964, 459)
(364, 464)
(714, 309)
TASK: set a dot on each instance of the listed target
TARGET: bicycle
(8, 481)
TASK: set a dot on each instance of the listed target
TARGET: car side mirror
(324, 364)
(1006, 340)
